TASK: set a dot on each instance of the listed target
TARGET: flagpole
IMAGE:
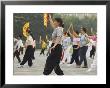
(40, 39)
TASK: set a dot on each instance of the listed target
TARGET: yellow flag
(25, 29)
(45, 19)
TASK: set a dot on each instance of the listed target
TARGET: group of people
(79, 42)
(58, 48)
(61, 44)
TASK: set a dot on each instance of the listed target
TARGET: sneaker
(89, 70)
(62, 63)
(89, 58)
(30, 66)
(20, 66)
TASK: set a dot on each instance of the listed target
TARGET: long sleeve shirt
(18, 44)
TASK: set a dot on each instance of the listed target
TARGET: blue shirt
(83, 40)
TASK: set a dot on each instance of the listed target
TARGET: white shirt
(34, 43)
(29, 41)
(18, 44)
(66, 42)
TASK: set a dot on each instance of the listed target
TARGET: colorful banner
(25, 29)
(45, 19)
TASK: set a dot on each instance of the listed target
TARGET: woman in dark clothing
(29, 51)
(54, 57)
(83, 47)
(75, 55)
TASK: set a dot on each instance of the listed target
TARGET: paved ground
(38, 66)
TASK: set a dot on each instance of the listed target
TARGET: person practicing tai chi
(29, 51)
(84, 40)
(66, 48)
(76, 46)
(54, 57)
(17, 48)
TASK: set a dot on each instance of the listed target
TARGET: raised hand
(50, 17)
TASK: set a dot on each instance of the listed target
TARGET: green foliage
(38, 29)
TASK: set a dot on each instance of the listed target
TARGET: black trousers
(82, 54)
(28, 56)
(17, 53)
(53, 60)
(92, 52)
(42, 51)
(33, 53)
(75, 55)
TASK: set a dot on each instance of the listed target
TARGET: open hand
(50, 16)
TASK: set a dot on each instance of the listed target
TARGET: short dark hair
(77, 32)
(68, 34)
(84, 29)
(29, 31)
(60, 21)
(20, 36)
(65, 33)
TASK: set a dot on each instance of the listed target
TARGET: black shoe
(78, 66)
(61, 74)
(85, 67)
(20, 66)
(30, 66)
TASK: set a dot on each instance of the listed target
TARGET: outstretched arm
(70, 33)
(51, 21)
